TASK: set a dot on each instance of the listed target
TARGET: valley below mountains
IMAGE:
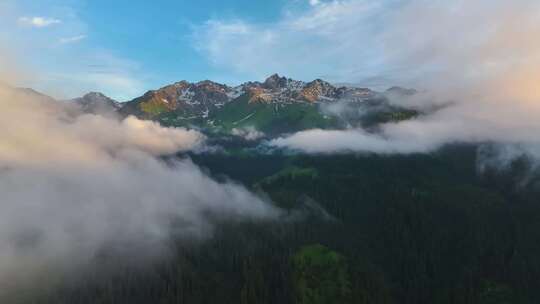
(448, 226)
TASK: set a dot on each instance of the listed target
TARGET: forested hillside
(358, 229)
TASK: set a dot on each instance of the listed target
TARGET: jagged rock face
(210, 94)
(278, 89)
(96, 103)
(275, 82)
(258, 94)
(199, 99)
(164, 99)
(318, 89)
(189, 98)
(355, 94)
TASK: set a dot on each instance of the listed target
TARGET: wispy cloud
(38, 22)
(331, 38)
(72, 39)
(56, 60)
(98, 70)
(488, 70)
(96, 182)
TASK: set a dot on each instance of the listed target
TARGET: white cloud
(470, 121)
(489, 70)
(248, 133)
(314, 2)
(73, 185)
(332, 40)
(359, 40)
(38, 22)
(56, 67)
(338, 141)
(72, 39)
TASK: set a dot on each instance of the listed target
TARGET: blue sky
(123, 48)
(148, 41)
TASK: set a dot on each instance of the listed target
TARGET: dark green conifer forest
(358, 228)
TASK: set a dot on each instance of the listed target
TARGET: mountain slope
(277, 105)
(184, 99)
(200, 99)
(271, 118)
(31, 94)
(97, 103)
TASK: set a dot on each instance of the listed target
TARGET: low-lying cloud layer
(472, 122)
(478, 56)
(248, 133)
(73, 185)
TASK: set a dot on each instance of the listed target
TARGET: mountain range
(190, 100)
(97, 103)
(276, 106)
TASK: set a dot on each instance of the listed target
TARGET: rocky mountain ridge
(276, 106)
(201, 98)
(96, 103)
(189, 98)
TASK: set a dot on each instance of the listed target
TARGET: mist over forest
(326, 151)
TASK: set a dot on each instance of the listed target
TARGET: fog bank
(75, 185)
(477, 57)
